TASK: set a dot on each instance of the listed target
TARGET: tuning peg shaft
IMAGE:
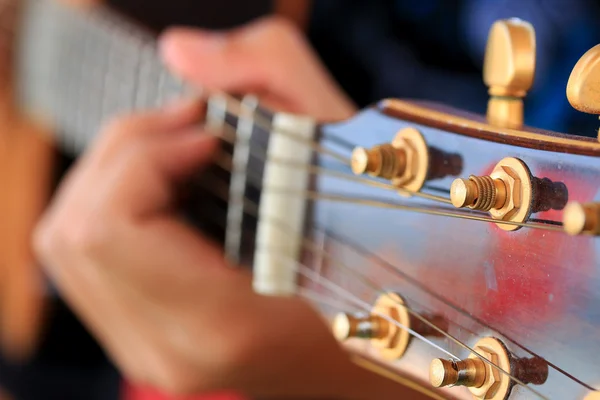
(388, 327)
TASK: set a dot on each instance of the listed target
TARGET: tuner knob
(583, 87)
(508, 70)
(484, 378)
(581, 218)
(390, 339)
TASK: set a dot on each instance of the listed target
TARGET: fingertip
(185, 109)
(189, 152)
(185, 48)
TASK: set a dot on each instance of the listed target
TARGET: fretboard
(79, 68)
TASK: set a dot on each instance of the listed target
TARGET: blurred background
(425, 49)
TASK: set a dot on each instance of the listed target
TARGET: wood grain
(474, 125)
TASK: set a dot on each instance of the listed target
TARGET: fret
(216, 112)
(81, 68)
(84, 67)
(237, 186)
(148, 72)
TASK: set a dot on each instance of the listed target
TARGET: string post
(383, 161)
(389, 326)
(470, 373)
(483, 379)
(407, 161)
(478, 193)
(346, 326)
(582, 218)
(489, 371)
(507, 193)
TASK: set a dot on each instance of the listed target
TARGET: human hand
(270, 58)
(159, 298)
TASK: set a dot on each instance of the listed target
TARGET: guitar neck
(78, 68)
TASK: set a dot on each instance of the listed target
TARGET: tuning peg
(508, 70)
(379, 328)
(509, 193)
(581, 218)
(583, 87)
(407, 161)
(484, 379)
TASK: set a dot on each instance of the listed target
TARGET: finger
(143, 178)
(213, 60)
(175, 116)
(269, 57)
(172, 119)
(82, 3)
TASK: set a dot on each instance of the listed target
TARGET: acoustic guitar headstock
(484, 260)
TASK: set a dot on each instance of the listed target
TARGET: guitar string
(359, 359)
(262, 122)
(374, 286)
(262, 155)
(219, 188)
(252, 207)
(438, 211)
(315, 146)
(307, 244)
(331, 286)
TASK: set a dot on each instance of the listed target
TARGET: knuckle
(87, 237)
(62, 238)
(45, 241)
(129, 126)
(121, 125)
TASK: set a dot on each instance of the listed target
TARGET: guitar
(451, 252)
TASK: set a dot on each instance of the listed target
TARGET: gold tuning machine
(407, 161)
(593, 396)
(583, 87)
(390, 339)
(581, 218)
(508, 70)
(509, 193)
(485, 380)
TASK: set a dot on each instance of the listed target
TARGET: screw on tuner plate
(389, 339)
(508, 70)
(408, 162)
(488, 380)
(509, 193)
(584, 81)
